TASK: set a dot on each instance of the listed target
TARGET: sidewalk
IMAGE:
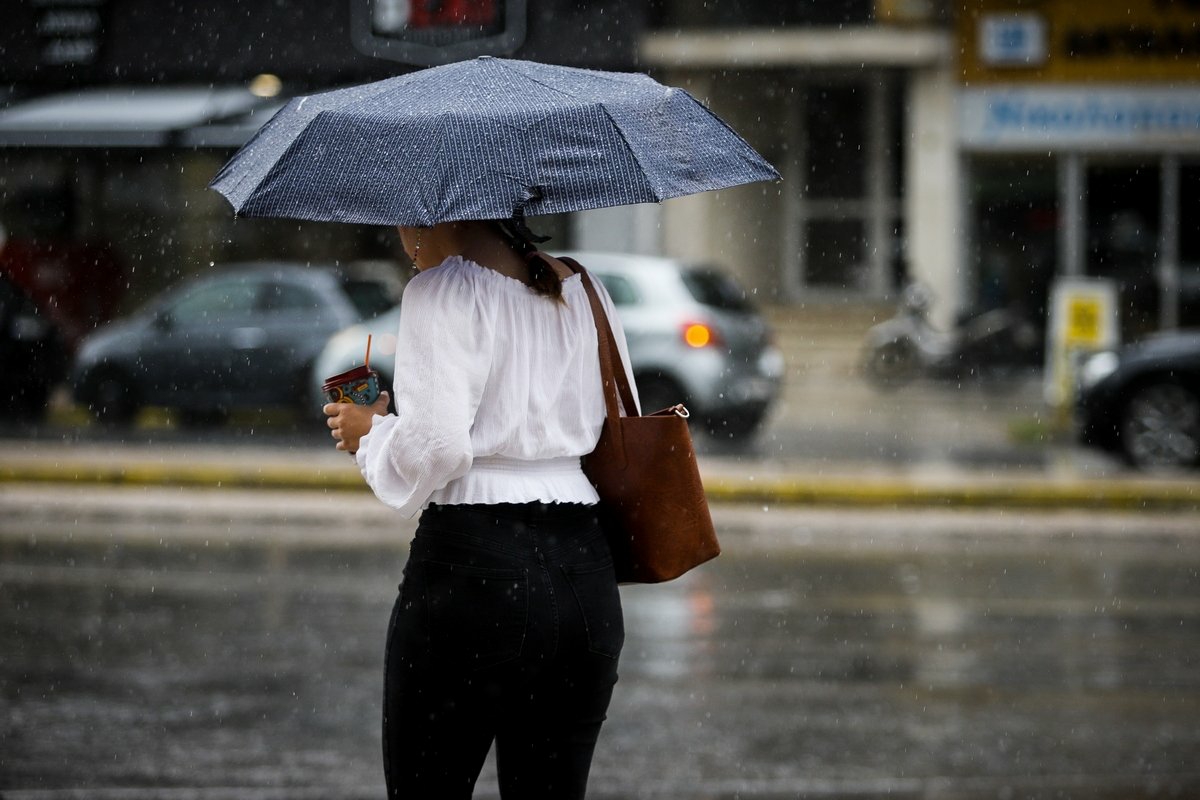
(831, 440)
(904, 455)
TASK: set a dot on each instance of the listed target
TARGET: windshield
(716, 290)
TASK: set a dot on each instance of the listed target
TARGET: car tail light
(700, 334)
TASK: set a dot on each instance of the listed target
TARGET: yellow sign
(1055, 41)
(1084, 321)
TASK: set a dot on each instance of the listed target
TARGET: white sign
(1039, 118)
(1012, 40)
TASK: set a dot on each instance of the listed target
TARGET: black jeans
(508, 629)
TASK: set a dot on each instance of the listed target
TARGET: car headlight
(1098, 367)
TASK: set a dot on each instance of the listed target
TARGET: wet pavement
(233, 650)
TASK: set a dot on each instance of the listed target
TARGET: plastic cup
(359, 385)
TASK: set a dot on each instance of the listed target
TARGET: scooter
(991, 347)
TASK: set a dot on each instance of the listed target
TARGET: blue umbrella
(487, 138)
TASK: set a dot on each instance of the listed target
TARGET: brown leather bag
(644, 468)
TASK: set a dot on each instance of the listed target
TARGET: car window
(370, 298)
(289, 297)
(215, 301)
(622, 290)
(715, 290)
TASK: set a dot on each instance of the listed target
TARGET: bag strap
(612, 367)
(613, 376)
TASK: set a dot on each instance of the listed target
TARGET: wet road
(825, 654)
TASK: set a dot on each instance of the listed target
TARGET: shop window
(1014, 221)
(834, 254)
(1189, 245)
(837, 148)
(1189, 209)
(1123, 221)
(847, 179)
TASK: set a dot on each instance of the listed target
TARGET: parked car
(693, 336)
(244, 337)
(1143, 401)
(32, 355)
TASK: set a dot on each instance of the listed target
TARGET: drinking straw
(367, 360)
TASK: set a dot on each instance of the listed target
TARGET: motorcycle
(990, 347)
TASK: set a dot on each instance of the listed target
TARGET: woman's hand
(349, 422)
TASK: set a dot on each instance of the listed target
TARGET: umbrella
(487, 138)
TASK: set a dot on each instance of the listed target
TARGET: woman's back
(497, 393)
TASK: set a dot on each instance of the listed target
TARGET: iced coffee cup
(359, 385)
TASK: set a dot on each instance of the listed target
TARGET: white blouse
(497, 393)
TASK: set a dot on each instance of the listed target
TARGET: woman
(508, 625)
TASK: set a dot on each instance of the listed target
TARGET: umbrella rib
(526, 76)
(632, 152)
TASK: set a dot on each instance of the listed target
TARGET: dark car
(245, 337)
(1143, 401)
(32, 354)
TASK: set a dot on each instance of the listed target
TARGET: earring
(417, 247)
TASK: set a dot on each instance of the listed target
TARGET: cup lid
(359, 372)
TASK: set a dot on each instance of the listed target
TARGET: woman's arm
(443, 357)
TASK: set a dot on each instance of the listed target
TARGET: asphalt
(831, 440)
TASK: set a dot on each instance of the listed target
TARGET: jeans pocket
(477, 615)
(595, 589)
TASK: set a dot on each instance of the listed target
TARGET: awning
(232, 131)
(750, 48)
(137, 117)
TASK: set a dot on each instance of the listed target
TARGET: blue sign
(995, 118)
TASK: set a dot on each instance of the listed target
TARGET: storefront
(836, 105)
(1080, 145)
(117, 113)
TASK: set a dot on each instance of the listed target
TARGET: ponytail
(542, 277)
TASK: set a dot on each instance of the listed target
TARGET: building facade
(115, 114)
(984, 148)
(1079, 142)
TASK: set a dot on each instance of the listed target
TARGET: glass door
(1187, 311)
(1123, 236)
(1014, 224)
(844, 210)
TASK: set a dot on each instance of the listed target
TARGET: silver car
(693, 338)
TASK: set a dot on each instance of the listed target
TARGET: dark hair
(542, 277)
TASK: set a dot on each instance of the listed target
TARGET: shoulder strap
(612, 368)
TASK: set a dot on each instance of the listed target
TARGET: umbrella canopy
(484, 139)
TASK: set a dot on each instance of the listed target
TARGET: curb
(983, 493)
(866, 491)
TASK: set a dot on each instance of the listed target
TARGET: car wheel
(891, 364)
(29, 400)
(1160, 426)
(112, 398)
(737, 425)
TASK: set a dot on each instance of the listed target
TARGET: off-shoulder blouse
(497, 393)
